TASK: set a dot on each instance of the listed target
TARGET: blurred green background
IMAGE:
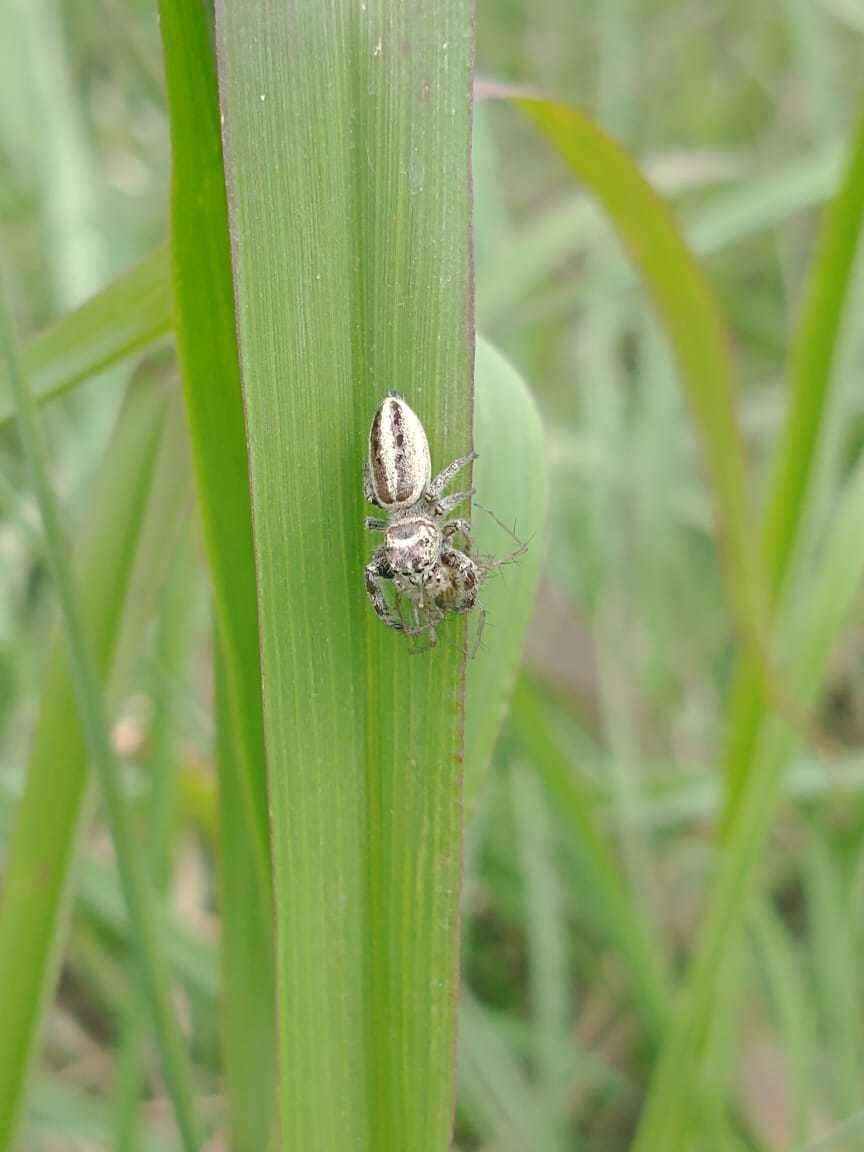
(739, 113)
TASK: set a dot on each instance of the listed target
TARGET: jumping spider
(418, 552)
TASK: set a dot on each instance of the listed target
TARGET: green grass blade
(72, 1118)
(691, 321)
(577, 808)
(811, 365)
(810, 376)
(766, 202)
(836, 985)
(788, 993)
(204, 318)
(494, 1088)
(121, 562)
(192, 959)
(168, 663)
(135, 310)
(248, 1034)
(125, 318)
(808, 27)
(207, 348)
(88, 693)
(809, 629)
(730, 216)
(346, 153)
(100, 902)
(545, 931)
(510, 478)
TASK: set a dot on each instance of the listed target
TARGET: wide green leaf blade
(126, 317)
(346, 151)
(141, 499)
(510, 478)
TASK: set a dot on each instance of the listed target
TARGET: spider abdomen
(400, 466)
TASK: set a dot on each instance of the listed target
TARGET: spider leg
(462, 528)
(481, 624)
(419, 629)
(368, 490)
(440, 482)
(448, 503)
(431, 642)
(465, 580)
(377, 570)
(428, 629)
(373, 524)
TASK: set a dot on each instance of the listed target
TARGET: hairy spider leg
(440, 482)
(448, 503)
(377, 570)
(429, 629)
(368, 490)
(373, 524)
(481, 624)
(459, 528)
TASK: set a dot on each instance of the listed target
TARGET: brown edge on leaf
(471, 341)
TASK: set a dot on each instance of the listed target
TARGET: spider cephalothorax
(418, 554)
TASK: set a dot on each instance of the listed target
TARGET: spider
(418, 553)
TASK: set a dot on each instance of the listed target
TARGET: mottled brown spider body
(417, 555)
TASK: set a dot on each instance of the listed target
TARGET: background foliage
(664, 822)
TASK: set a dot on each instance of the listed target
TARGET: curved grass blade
(691, 321)
(511, 482)
(810, 374)
(731, 216)
(141, 499)
(346, 153)
(126, 317)
(134, 311)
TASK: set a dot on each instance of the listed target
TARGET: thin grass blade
(248, 1033)
(495, 1090)
(167, 665)
(545, 931)
(207, 348)
(91, 709)
(691, 320)
(577, 808)
(126, 317)
(142, 496)
(810, 376)
(809, 629)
